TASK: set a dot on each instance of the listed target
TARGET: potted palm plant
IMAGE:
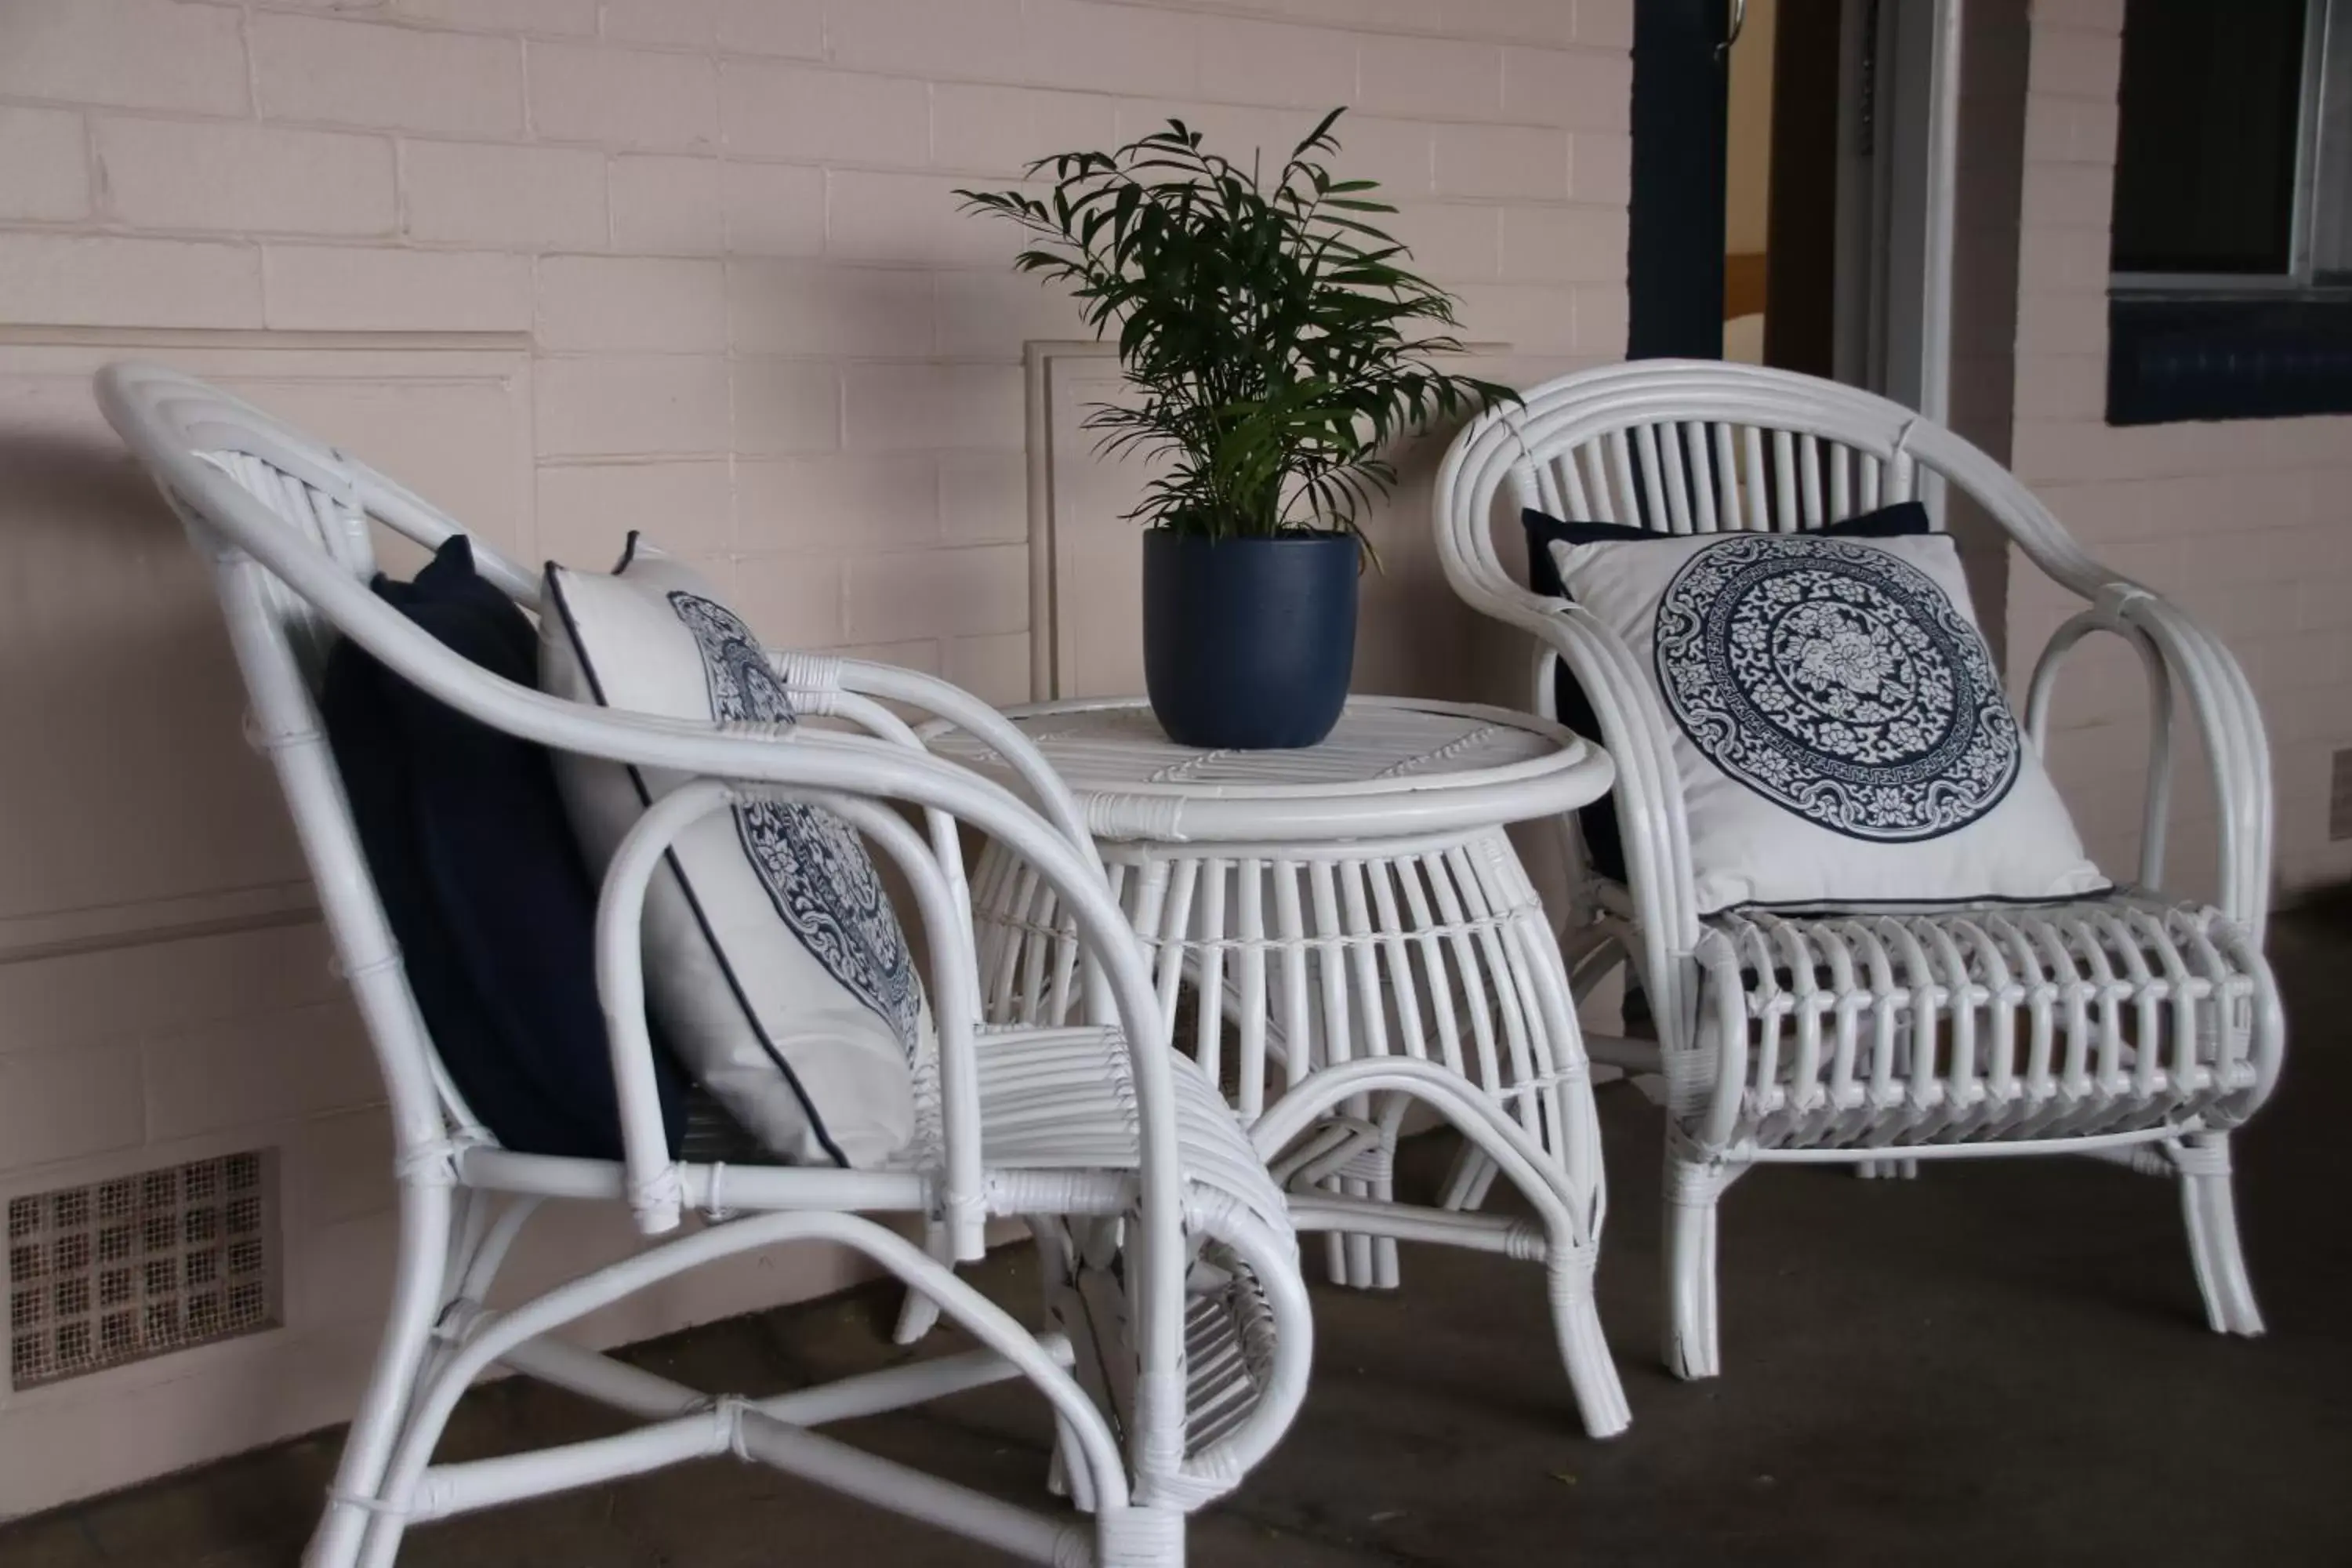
(1277, 344)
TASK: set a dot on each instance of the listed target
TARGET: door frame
(1898, 138)
(1897, 92)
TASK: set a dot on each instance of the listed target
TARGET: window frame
(2326, 80)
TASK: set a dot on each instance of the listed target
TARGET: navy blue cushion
(481, 877)
(1604, 843)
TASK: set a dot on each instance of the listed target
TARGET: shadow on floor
(2003, 1361)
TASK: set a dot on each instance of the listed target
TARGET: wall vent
(141, 1266)
(2339, 796)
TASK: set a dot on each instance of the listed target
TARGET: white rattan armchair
(1171, 1267)
(2133, 1027)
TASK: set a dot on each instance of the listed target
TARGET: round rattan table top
(1394, 765)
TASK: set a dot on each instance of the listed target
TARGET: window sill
(2214, 356)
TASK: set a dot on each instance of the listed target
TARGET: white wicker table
(1371, 939)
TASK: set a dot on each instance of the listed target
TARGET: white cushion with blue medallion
(775, 967)
(1839, 725)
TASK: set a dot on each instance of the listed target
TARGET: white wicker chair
(2133, 1027)
(1167, 1251)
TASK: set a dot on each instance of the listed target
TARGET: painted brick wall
(727, 226)
(749, 321)
(2247, 524)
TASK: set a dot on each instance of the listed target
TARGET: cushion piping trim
(1964, 901)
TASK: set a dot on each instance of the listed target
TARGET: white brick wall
(139, 54)
(2247, 524)
(517, 198)
(171, 174)
(346, 287)
(322, 72)
(44, 166)
(623, 98)
(93, 279)
(759, 329)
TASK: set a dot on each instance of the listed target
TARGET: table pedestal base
(1326, 988)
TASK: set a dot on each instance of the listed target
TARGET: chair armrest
(1635, 733)
(2236, 748)
(829, 678)
(858, 776)
(816, 685)
(2220, 702)
(2179, 654)
(653, 1195)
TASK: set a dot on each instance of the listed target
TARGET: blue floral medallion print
(1839, 681)
(814, 867)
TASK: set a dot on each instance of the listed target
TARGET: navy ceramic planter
(1248, 643)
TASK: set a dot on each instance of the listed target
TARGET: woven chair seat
(1057, 1106)
(1059, 1130)
(1891, 1028)
(1059, 1136)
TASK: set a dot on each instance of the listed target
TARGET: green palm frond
(1277, 339)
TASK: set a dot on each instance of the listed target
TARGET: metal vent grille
(140, 1265)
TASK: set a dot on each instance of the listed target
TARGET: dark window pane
(2205, 159)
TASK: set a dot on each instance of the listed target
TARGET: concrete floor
(2002, 1363)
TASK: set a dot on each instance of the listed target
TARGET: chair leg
(1470, 1180)
(1066, 1474)
(1576, 1325)
(918, 1316)
(2211, 1210)
(1693, 1187)
(1385, 1273)
(917, 1313)
(1138, 1536)
(416, 1303)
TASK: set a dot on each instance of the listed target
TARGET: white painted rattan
(2135, 1025)
(1365, 937)
(1171, 1265)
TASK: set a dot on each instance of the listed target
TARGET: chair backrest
(285, 521)
(1702, 447)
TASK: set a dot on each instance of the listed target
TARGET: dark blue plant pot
(1248, 643)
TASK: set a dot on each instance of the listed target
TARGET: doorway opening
(1832, 186)
(1749, 137)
